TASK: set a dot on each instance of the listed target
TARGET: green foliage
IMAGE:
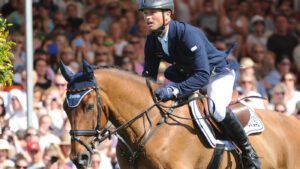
(6, 67)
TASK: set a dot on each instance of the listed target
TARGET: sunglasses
(279, 93)
(246, 82)
(19, 166)
(289, 79)
(100, 54)
(134, 42)
(85, 32)
(60, 84)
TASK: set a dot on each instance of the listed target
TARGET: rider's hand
(166, 93)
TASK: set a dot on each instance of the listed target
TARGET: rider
(195, 64)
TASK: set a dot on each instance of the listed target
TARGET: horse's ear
(65, 71)
(87, 68)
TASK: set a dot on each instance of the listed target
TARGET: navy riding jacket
(194, 59)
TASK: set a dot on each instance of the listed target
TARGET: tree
(6, 67)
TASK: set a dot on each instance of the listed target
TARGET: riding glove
(167, 93)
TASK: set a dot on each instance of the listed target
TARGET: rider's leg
(234, 129)
(220, 91)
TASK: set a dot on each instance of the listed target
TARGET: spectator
(248, 88)
(4, 154)
(297, 111)
(208, 20)
(3, 120)
(103, 57)
(67, 55)
(54, 106)
(21, 162)
(247, 67)
(260, 35)
(18, 51)
(282, 42)
(98, 38)
(264, 61)
(277, 95)
(17, 17)
(233, 27)
(9, 7)
(41, 67)
(45, 132)
(73, 20)
(281, 108)
(65, 148)
(16, 110)
(127, 64)
(138, 45)
(82, 44)
(274, 77)
(61, 84)
(129, 51)
(117, 35)
(113, 12)
(36, 155)
(292, 94)
(96, 160)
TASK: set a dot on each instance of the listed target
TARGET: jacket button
(181, 70)
(174, 63)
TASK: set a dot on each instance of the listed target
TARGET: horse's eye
(89, 107)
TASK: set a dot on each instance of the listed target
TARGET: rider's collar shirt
(164, 42)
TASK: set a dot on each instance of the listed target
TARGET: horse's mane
(131, 75)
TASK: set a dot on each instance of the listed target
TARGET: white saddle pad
(255, 125)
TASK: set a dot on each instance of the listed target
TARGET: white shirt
(164, 42)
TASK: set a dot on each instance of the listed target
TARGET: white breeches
(219, 90)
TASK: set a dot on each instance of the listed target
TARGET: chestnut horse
(174, 143)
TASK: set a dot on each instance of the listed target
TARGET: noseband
(97, 131)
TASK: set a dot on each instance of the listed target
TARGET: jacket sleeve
(151, 63)
(194, 43)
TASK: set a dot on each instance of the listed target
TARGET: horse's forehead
(78, 87)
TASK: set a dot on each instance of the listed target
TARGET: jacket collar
(172, 30)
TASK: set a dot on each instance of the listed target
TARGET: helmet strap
(160, 30)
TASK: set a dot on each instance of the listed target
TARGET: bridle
(97, 131)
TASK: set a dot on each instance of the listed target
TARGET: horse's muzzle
(83, 160)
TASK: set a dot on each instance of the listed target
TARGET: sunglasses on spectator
(128, 52)
(60, 84)
(279, 93)
(19, 166)
(285, 63)
(85, 31)
(247, 82)
(31, 134)
(134, 42)
(289, 80)
(101, 53)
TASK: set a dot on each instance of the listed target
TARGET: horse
(96, 96)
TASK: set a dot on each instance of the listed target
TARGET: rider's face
(154, 18)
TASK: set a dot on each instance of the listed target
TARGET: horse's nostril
(84, 159)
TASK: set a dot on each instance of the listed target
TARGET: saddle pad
(255, 125)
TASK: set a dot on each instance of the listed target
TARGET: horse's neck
(127, 96)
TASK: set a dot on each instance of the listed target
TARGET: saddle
(243, 112)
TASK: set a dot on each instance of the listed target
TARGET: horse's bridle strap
(83, 132)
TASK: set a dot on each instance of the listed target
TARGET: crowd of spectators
(113, 33)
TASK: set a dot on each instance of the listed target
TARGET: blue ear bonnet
(80, 85)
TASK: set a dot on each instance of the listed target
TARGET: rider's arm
(193, 41)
